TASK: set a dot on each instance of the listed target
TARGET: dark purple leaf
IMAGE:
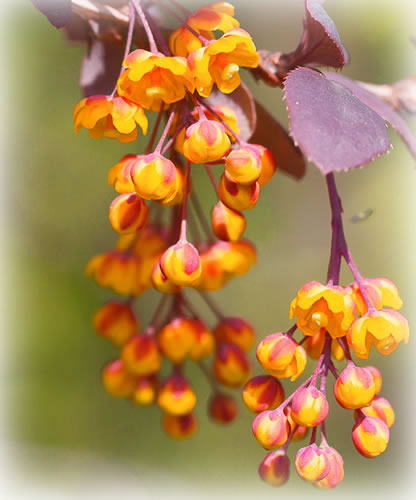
(242, 103)
(58, 12)
(271, 134)
(101, 67)
(380, 107)
(333, 128)
(320, 44)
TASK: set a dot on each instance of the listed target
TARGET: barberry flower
(268, 164)
(150, 241)
(281, 356)
(234, 330)
(117, 380)
(176, 395)
(274, 468)
(271, 429)
(145, 391)
(226, 115)
(312, 463)
(263, 393)
(231, 366)
(383, 329)
(370, 436)
(205, 142)
(382, 292)
(219, 62)
(309, 407)
(380, 408)
(116, 321)
(112, 117)
(314, 344)
(161, 283)
(243, 165)
(318, 306)
(336, 469)
(179, 426)
(176, 339)
(298, 431)
(355, 387)
(222, 408)
(204, 341)
(128, 213)
(227, 224)
(181, 264)
(141, 355)
(236, 196)
(154, 80)
(119, 175)
(378, 381)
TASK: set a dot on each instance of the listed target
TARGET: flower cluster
(153, 254)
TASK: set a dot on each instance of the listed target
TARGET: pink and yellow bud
(161, 283)
(238, 197)
(312, 463)
(116, 321)
(370, 436)
(243, 165)
(383, 329)
(146, 390)
(176, 339)
(263, 393)
(154, 177)
(309, 407)
(379, 408)
(222, 408)
(274, 468)
(117, 380)
(128, 213)
(318, 306)
(119, 175)
(336, 469)
(281, 356)
(299, 431)
(271, 429)
(176, 395)
(355, 387)
(268, 164)
(111, 117)
(231, 366)
(236, 257)
(141, 355)
(227, 224)
(205, 142)
(314, 345)
(382, 292)
(234, 330)
(150, 241)
(180, 426)
(226, 115)
(180, 263)
(204, 341)
(378, 380)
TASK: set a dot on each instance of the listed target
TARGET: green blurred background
(64, 433)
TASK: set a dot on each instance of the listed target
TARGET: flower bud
(161, 283)
(312, 463)
(281, 356)
(128, 213)
(238, 197)
(117, 380)
(299, 431)
(141, 355)
(378, 380)
(314, 344)
(336, 469)
(181, 264)
(154, 177)
(243, 165)
(271, 429)
(263, 393)
(205, 141)
(227, 224)
(176, 395)
(309, 407)
(223, 408)
(268, 164)
(145, 392)
(370, 436)
(119, 175)
(274, 468)
(180, 426)
(204, 341)
(231, 366)
(355, 387)
(116, 321)
(236, 331)
(380, 408)
(176, 339)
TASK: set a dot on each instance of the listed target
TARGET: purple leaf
(271, 134)
(320, 44)
(380, 107)
(333, 128)
(58, 12)
(101, 67)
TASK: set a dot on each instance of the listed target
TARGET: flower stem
(165, 130)
(212, 177)
(182, 236)
(146, 26)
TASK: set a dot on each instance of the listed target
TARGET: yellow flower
(382, 292)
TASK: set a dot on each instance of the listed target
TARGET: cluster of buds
(334, 321)
(173, 81)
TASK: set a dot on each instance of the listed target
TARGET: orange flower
(116, 321)
(128, 213)
(176, 395)
(205, 141)
(237, 196)
(231, 366)
(263, 393)
(227, 224)
(180, 426)
(274, 468)
(180, 263)
(236, 331)
(243, 165)
(222, 408)
(117, 380)
(382, 292)
(119, 175)
(112, 117)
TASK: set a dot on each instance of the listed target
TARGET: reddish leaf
(274, 137)
(333, 128)
(101, 67)
(320, 44)
(242, 103)
(58, 12)
(380, 107)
